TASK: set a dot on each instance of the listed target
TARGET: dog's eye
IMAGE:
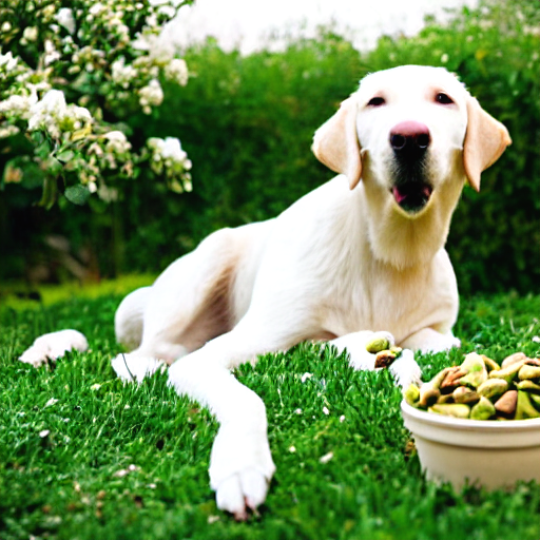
(443, 99)
(376, 101)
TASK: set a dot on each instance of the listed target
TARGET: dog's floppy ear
(336, 144)
(485, 141)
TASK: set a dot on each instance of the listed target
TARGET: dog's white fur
(341, 263)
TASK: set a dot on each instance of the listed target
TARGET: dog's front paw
(132, 368)
(53, 346)
(355, 345)
(241, 468)
(405, 370)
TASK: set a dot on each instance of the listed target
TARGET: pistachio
(396, 350)
(384, 358)
(483, 410)
(528, 386)
(525, 408)
(532, 361)
(450, 381)
(506, 404)
(490, 364)
(412, 395)
(377, 344)
(528, 372)
(476, 370)
(428, 395)
(493, 388)
(535, 400)
(462, 394)
(508, 373)
(457, 410)
(512, 359)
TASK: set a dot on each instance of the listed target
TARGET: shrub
(247, 124)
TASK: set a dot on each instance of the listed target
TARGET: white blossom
(30, 33)
(96, 9)
(65, 19)
(53, 115)
(7, 62)
(8, 130)
(117, 142)
(122, 74)
(18, 106)
(176, 70)
(151, 94)
(51, 54)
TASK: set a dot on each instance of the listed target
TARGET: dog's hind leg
(128, 319)
(189, 304)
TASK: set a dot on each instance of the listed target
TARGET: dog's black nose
(410, 138)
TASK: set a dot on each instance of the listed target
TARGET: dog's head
(406, 132)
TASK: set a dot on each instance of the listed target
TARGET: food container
(487, 453)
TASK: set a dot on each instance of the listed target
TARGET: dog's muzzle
(410, 142)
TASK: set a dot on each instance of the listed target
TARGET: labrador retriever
(363, 253)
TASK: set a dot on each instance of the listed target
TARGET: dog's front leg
(429, 340)
(404, 369)
(241, 464)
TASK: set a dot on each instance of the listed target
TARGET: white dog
(362, 253)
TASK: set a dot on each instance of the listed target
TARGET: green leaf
(65, 156)
(77, 194)
(49, 192)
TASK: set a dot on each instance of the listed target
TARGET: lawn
(84, 457)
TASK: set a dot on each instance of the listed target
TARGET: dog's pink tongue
(397, 195)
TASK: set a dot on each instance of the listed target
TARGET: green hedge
(247, 124)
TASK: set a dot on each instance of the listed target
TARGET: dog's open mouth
(412, 196)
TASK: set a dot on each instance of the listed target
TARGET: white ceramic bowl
(486, 453)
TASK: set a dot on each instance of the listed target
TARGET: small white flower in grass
(124, 472)
(44, 433)
(292, 449)
(95, 387)
(212, 519)
(342, 418)
(152, 486)
(444, 58)
(51, 401)
(325, 410)
(298, 411)
(127, 407)
(536, 339)
(306, 376)
(327, 457)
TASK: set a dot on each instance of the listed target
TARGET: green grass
(64, 484)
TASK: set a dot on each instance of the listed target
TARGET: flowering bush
(71, 73)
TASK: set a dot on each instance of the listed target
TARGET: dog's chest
(379, 300)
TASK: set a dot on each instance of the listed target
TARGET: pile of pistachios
(384, 351)
(480, 389)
